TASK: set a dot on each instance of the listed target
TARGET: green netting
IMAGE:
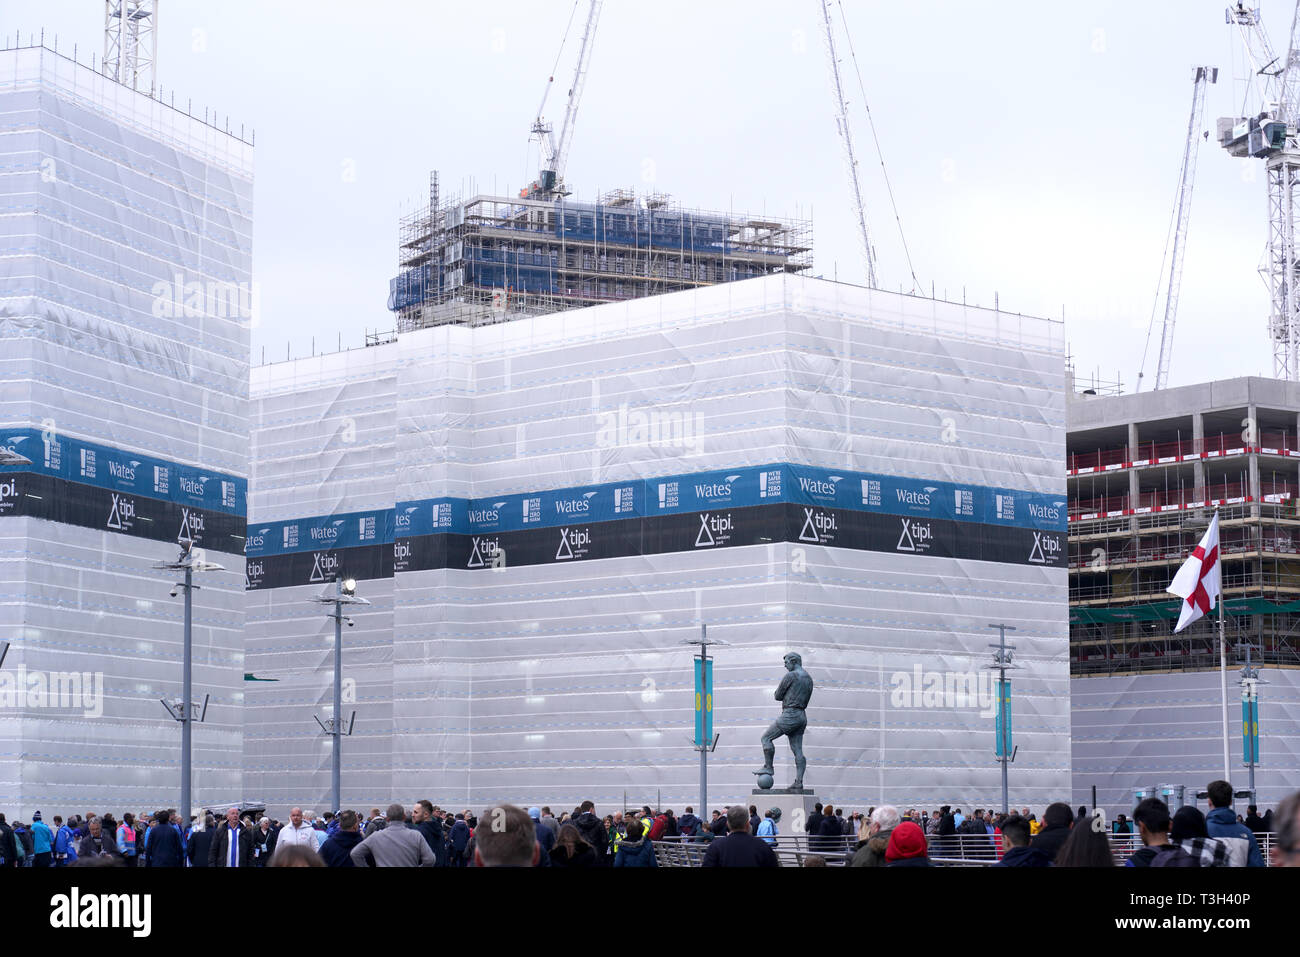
(1170, 609)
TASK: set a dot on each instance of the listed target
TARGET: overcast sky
(1034, 149)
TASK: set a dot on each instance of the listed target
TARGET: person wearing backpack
(1152, 819)
(688, 824)
(25, 843)
(1221, 823)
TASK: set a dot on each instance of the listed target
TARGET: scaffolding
(1136, 513)
(494, 258)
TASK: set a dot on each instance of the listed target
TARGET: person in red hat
(906, 847)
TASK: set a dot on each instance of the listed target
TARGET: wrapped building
(124, 341)
(542, 510)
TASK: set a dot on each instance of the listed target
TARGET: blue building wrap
(670, 495)
(101, 466)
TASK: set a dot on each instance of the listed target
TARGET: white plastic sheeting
(1144, 731)
(118, 209)
(324, 432)
(551, 681)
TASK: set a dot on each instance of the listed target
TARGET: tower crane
(1202, 76)
(555, 150)
(1270, 134)
(131, 43)
(842, 121)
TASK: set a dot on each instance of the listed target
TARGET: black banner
(692, 531)
(362, 562)
(70, 503)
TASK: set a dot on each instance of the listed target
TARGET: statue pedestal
(793, 804)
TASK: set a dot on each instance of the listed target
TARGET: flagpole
(1223, 675)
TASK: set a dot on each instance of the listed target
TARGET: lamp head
(349, 586)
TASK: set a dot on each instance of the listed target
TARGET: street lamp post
(345, 593)
(1002, 656)
(704, 691)
(190, 561)
(1250, 682)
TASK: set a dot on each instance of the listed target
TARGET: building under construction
(492, 258)
(1145, 474)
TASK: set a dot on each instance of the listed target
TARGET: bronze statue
(794, 692)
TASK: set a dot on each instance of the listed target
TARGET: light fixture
(349, 586)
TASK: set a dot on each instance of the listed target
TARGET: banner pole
(1223, 676)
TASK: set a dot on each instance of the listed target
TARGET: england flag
(1198, 581)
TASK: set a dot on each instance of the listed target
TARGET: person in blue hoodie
(1243, 849)
(42, 842)
(65, 844)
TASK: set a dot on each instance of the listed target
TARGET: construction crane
(131, 42)
(555, 150)
(1270, 134)
(1202, 76)
(842, 122)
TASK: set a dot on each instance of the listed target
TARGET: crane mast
(555, 151)
(1201, 78)
(842, 121)
(131, 43)
(1270, 134)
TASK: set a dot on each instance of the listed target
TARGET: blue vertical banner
(1250, 730)
(1002, 721)
(703, 702)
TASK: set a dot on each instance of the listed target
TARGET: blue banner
(1003, 745)
(1250, 730)
(102, 466)
(701, 492)
(349, 530)
(703, 702)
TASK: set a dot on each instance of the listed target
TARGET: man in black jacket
(8, 850)
(814, 823)
(200, 841)
(221, 853)
(1016, 851)
(424, 821)
(165, 844)
(459, 839)
(739, 848)
(336, 851)
(1057, 820)
(719, 826)
(593, 831)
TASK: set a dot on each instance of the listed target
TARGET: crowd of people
(505, 835)
(1062, 838)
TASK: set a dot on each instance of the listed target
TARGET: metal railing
(1163, 453)
(954, 850)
